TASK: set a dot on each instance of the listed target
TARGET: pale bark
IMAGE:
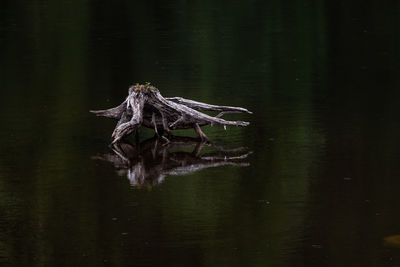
(145, 106)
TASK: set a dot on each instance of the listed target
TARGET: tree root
(146, 107)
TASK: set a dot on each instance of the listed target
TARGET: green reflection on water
(74, 56)
(61, 59)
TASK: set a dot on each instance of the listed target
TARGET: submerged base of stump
(145, 106)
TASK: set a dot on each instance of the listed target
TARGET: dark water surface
(320, 188)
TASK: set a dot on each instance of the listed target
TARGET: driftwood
(145, 106)
(148, 163)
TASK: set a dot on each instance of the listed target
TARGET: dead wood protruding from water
(145, 106)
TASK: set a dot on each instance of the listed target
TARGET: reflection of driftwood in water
(150, 161)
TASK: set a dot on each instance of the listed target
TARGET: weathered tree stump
(145, 106)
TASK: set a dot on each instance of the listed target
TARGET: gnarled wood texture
(146, 106)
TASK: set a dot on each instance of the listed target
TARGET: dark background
(322, 80)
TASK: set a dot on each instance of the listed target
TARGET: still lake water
(313, 181)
